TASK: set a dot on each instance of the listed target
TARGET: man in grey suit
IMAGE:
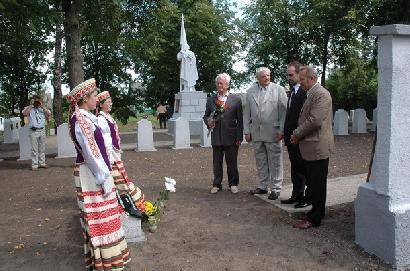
(315, 137)
(264, 118)
(227, 133)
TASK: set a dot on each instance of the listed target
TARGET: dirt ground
(40, 228)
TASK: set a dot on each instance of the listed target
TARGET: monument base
(195, 126)
(382, 229)
(191, 106)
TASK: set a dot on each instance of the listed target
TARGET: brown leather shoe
(303, 225)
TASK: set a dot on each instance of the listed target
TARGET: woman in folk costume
(105, 246)
(112, 141)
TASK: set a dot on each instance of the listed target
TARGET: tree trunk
(73, 31)
(325, 54)
(57, 102)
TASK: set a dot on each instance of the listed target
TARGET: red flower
(219, 103)
(226, 106)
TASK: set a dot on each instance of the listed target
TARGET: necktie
(292, 94)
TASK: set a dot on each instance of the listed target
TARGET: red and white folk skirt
(124, 184)
(105, 247)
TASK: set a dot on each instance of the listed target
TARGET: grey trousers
(38, 155)
(269, 162)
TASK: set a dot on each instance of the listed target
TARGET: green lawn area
(132, 122)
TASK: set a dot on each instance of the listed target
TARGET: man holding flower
(223, 117)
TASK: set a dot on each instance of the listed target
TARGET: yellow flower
(150, 209)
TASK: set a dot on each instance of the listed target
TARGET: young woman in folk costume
(129, 193)
(105, 246)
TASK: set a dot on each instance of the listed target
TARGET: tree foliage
(25, 27)
(333, 35)
(211, 36)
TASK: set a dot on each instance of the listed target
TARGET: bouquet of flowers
(152, 211)
(218, 112)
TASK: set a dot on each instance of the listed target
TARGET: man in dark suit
(227, 133)
(315, 137)
(296, 98)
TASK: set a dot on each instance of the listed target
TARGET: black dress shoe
(273, 196)
(290, 200)
(302, 204)
(258, 191)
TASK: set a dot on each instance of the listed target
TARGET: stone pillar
(182, 139)
(359, 125)
(341, 123)
(383, 205)
(205, 137)
(11, 130)
(65, 146)
(145, 140)
(24, 143)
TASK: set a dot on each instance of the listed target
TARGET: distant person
(315, 137)
(227, 133)
(297, 97)
(37, 115)
(264, 118)
(162, 116)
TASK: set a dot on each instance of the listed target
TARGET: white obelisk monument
(382, 207)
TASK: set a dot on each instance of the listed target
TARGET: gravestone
(1, 124)
(145, 140)
(52, 131)
(65, 146)
(341, 123)
(382, 206)
(11, 128)
(182, 138)
(24, 143)
(374, 123)
(132, 229)
(205, 137)
(359, 125)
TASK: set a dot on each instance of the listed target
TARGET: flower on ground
(170, 184)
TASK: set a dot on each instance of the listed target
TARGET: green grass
(132, 122)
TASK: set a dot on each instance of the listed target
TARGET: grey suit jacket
(263, 118)
(228, 129)
(314, 130)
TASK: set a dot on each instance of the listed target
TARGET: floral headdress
(104, 96)
(79, 92)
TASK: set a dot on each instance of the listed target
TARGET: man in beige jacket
(264, 118)
(315, 137)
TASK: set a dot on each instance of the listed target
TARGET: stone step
(339, 190)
